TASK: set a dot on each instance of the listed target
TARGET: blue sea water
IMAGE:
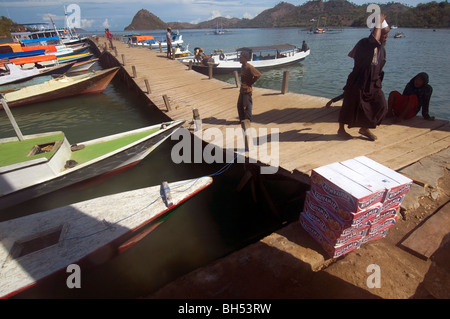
(325, 71)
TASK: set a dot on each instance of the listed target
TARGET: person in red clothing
(416, 96)
(109, 36)
(249, 75)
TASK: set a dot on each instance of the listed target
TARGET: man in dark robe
(364, 102)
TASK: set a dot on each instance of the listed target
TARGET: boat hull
(87, 233)
(115, 160)
(61, 88)
(229, 66)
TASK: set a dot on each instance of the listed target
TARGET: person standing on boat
(169, 42)
(249, 75)
(364, 104)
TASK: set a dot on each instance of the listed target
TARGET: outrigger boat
(64, 86)
(40, 246)
(262, 57)
(34, 165)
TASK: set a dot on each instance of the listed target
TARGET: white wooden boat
(87, 83)
(15, 74)
(84, 66)
(36, 247)
(42, 163)
(262, 57)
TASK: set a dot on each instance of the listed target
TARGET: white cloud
(215, 14)
(85, 23)
(248, 16)
(105, 23)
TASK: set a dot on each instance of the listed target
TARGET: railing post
(285, 85)
(236, 78)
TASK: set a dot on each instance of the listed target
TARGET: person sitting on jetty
(416, 96)
(364, 104)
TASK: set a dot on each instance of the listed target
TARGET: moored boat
(15, 74)
(35, 247)
(42, 163)
(262, 57)
(64, 86)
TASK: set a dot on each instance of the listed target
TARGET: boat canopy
(40, 40)
(276, 47)
(144, 37)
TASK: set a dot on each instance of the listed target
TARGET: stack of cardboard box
(351, 203)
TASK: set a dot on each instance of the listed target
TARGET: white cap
(383, 25)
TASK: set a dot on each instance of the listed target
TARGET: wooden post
(106, 47)
(11, 118)
(190, 65)
(210, 70)
(236, 78)
(197, 120)
(285, 86)
(115, 51)
(147, 85)
(133, 68)
(123, 59)
(245, 124)
(160, 47)
(167, 103)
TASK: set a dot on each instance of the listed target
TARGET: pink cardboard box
(385, 214)
(395, 183)
(345, 216)
(382, 225)
(344, 225)
(374, 236)
(346, 189)
(332, 251)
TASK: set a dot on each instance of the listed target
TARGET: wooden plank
(426, 239)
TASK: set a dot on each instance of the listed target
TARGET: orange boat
(33, 59)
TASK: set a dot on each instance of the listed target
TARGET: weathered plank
(425, 240)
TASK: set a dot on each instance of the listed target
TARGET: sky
(117, 14)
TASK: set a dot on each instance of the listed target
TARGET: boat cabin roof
(40, 40)
(276, 47)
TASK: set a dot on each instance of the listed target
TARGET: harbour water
(219, 220)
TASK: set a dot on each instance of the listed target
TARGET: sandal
(368, 134)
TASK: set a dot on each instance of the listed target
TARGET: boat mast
(11, 118)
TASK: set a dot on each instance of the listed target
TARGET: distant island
(332, 13)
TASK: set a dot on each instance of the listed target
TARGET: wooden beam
(426, 239)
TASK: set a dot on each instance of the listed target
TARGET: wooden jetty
(307, 129)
